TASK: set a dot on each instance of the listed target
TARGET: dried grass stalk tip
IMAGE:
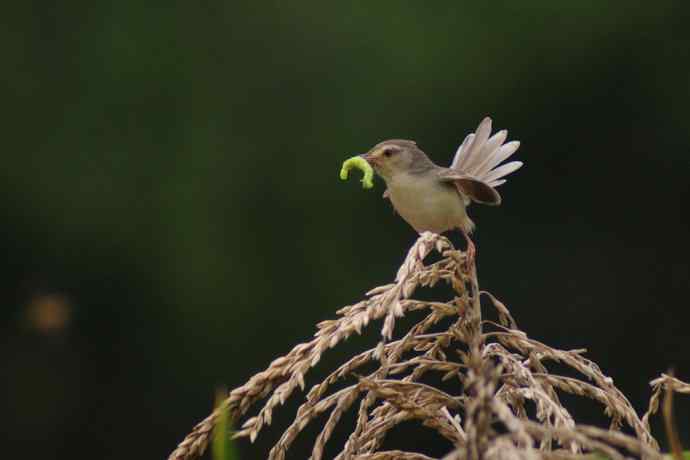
(495, 373)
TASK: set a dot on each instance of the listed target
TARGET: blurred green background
(172, 218)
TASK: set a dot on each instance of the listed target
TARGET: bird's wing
(475, 189)
(479, 155)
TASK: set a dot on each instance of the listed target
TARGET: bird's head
(397, 156)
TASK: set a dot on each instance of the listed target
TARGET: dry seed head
(500, 370)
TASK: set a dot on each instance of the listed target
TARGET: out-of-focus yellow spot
(49, 313)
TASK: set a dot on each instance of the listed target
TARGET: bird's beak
(369, 158)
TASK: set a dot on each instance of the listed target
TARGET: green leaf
(222, 446)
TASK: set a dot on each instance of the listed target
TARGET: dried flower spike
(497, 377)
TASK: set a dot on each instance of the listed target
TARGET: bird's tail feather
(480, 155)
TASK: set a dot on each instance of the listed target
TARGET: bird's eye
(388, 153)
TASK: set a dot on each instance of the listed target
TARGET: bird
(435, 199)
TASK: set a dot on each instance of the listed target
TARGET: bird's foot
(470, 252)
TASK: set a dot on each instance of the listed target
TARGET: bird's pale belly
(429, 206)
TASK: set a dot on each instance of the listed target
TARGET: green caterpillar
(362, 164)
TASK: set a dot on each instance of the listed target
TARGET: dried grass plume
(505, 403)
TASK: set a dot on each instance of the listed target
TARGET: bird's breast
(427, 204)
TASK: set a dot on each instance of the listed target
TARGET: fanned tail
(480, 154)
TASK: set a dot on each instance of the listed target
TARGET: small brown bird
(432, 198)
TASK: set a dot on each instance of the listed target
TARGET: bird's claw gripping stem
(471, 252)
(362, 164)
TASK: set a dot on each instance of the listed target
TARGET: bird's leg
(471, 251)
